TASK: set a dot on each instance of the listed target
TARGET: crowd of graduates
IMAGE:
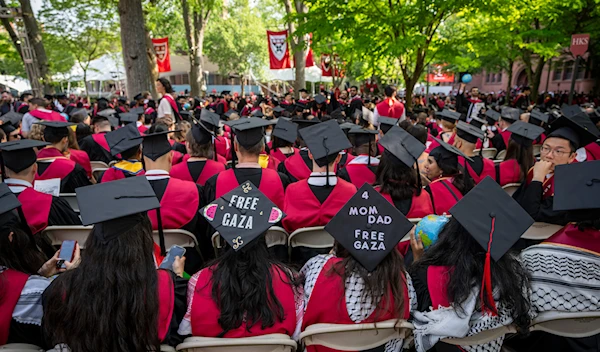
(239, 166)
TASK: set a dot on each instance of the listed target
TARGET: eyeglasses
(559, 153)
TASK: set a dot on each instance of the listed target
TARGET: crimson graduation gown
(479, 168)
(197, 171)
(297, 167)
(444, 195)
(53, 164)
(97, 148)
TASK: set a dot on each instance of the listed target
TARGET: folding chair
(71, 198)
(58, 234)
(276, 236)
(20, 347)
(501, 155)
(511, 188)
(540, 231)
(179, 237)
(482, 337)
(98, 165)
(497, 161)
(98, 172)
(167, 348)
(355, 337)
(567, 324)
(264, 343)
(488, 153)
(308, 242)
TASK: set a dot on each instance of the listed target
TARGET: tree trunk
(509, 84)
(297, 45)
(537, 77)
(133, 42)
(194, 24)
(11, 32)
(35, 40)
(152, 65)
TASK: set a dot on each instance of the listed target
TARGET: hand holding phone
(174, 251)
(67, 252)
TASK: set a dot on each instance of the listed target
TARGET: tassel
(486, 282)
(161, 234)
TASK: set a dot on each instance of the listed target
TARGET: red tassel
(486, 282)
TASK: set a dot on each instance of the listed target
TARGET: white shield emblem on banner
(278, 45)
(161, 51)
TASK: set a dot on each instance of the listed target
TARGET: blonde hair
(184, 127)
(36, 132)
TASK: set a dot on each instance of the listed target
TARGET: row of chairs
(492, 153)
(361, 337)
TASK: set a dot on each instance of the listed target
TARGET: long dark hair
(21, 253)
(110, 302)
(456, 248)
(280, 143)
(242, 287)
(396, 178)
(522, 154)
(451, 168)
(387, 276)
(165, 82)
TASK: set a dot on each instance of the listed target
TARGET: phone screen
(174, 251)
(67, 250)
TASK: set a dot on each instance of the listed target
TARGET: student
(536, 194)
(478, 166)
(356, 284)
(285, 134)
(124, 144)
(116, 292)
(12, 132)
(449, 183)
(95, 145)
(25, 272)
(38, 112)
(397, 179)
(448, 128)
(248, 144)
(298, 166)
(508, 116)
(362, 168)
(519, 153)
(78, 156)
(469, 281)
(314, 201)
(244, 292)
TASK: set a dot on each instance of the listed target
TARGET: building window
(499, 78)
(568, 71)
(185, 78)
(487, 78)
(581, 70)
(558, 71)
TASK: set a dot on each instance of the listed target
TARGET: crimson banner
(163, 59)
(439, 74)
(279, 54)
(326, 65)
(310, 61)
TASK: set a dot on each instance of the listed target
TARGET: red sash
(205, 313)
(142, 129)
(547, 185)
(36, 208)
(588, 239)
(100, 138)
(593, 151)
(59, 168)
(47, 116)
(211, 168)
(360, 174)
(178, 206)
(296, 166)
(277, 154)
(445, 195)
(12, 284)
(112, 174)
(437, 285)
(489, 169)
(508, 172)
(177, 157)
(390, 108)
(174, 107)
(327, 304)
(223, 146)
(420, 206)
(80, 157)
(270, 185)
(303, 209)
(166, 302)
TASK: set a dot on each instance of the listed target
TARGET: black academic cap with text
(385, 123)
(492, 114)
(8, 203)
(510, 114)
(123, 139)
(524, 133)
(468, 132)
(286, 130)
(115, 207)
(249, 131)
(540, 116)
(578, 129)
(128, 117)
(402, 145)
(320, 99)
(448, 115)
(577, 186)
(18, 155)
(325, 139)
(242, 215)
(13, 117)
(571, 110)
(156, 145)
(446, 151)
(489, 214)
(368, 227)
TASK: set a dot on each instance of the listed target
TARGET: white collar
(364, 160)
(138, 123)
(318, 179)
(153, 175)
(16, 185)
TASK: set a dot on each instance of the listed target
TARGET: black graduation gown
(179, 147)
(25, 333)
(76, 178)
(94, 150)
(242, 175)
(343, 173)
(61, 213)
(498, 142)
(540, 209)
(309, 163)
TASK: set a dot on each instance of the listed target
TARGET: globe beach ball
(467, 78)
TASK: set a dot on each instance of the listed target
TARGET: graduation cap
(8, 128)
(115, 207)
(156, 145)
(477, 122)
(320, 99)
(368, 227)
(577, 190)
(122, 99)
(123, 139)
(242, 215)
(286, 130)
(138, 96)
(361, 136)
(448, 115)
(249, 131)
(186, 115)
(578, 129)
(495, 220)
(571, 110)
(492, 115)
(385, 123)
(201, 133)
(346, 126)
(210, 119)
(510, 114)
(138, 111)
(107, 113)
(225, 92)
(446, 151)
(402, 145)
(8, 203)
(302, 90)
(278, 109)
(18, 155)
(257, 113)
(230, 112)
(56, 128)
(323, 140)
(128, 117)
(303, 123)
(524, 133)
(468, 132)
(539, 116)
(300, 106)
(13, 117)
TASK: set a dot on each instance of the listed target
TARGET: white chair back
(276, 236)
(20, 347)
(355, 337)
(98, 164)
(98, 172)
(540, 231)
(482, 337)
(488, 153)
(511, 188)
(264, 343)
(179, 237)
(71, 198)
(567, 324)
(167, 348)
(58, 234)
(311, 237)
(501, 155)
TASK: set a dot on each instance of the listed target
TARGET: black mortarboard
(477, 122)
(492, 114)
(448, 115)
(510, 114)
(230, 112)
(156, 145)
(242, 215)
(123, 139)
(13, 117)
(300, 106)
(201, 134)
(138, 96)
(210, 119)
(361, 135)
(138, 111)
(323, 140)
(578, 129)
(524, 133)
(18, 155)
(468, 132)
(250, 131)
(56, 128)
(8, 128)
(320, 99)
(402, 145)
(286, 130)
(302, 90)
(257, 113)
(225, 92)
(127, 117)
(337, 114)
(107, 113)
(115, 207)
(571, 110)
(445, 151)
(368, 227)
(122, 99)
(278, 109)
(577, 186)
(8, 203)
(385, 123)
(346, 126)
(538, 115)
(303, 123)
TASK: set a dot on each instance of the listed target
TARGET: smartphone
(67, 251)
(174, 251)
